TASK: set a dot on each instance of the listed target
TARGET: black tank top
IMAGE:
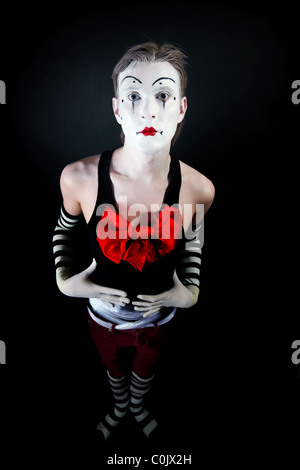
(155, 277)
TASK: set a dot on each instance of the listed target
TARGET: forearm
(64, 246)
(69, 281)
(188, 268)
(186, 279)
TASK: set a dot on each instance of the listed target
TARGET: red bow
(147, 243)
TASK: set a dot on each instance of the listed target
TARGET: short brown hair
(149, 52)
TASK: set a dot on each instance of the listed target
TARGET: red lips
(149, 131)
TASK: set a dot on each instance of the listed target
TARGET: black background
(227, 389)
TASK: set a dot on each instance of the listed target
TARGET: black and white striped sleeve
(188, 267)
(64, 240)
(190, 262)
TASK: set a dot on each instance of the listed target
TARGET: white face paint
(149, 105)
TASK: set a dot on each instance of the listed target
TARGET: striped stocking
(120, 389)
(138, 389)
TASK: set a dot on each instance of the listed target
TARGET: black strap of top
(173, 188)
(105, 188)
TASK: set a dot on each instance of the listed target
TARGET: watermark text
(2, 352)
(296, 354)
(161, 222)
(2, 92)
(296, 94)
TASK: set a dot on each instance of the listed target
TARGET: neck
(131, 162)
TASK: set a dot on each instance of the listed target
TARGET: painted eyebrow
(163, 78)
(130, 76)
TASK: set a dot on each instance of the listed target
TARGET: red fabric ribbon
(120, 240)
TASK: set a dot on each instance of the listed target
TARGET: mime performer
(144, 211)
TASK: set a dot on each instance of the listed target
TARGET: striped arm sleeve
(63, 240)
(190, 262)
(188, 268)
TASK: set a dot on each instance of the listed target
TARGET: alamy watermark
(296, 354)
(296, 94)
(2, 352)
(2, 92)
(162, 222)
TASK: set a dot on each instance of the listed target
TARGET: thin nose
(148, 110)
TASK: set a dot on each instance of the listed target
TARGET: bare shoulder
(79, 172)
(78, 183)
(196, 187)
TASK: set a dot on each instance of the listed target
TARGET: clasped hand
(177, 296)
(80, 285)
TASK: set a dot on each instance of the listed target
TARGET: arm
(188, 268)
(69, 282)
(63, 246)
(186, 279)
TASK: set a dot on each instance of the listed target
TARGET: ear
(116, 109)
(183, 108)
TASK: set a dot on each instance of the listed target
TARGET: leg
(150, 345)
(111, 347)
(138, 389)
(120, 390)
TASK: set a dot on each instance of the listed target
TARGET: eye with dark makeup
(163, 96)
(134, 96)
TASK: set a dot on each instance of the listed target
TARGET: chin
(152, 150)
(149, 147)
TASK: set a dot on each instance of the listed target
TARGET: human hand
(80, 285)
(177, 296)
